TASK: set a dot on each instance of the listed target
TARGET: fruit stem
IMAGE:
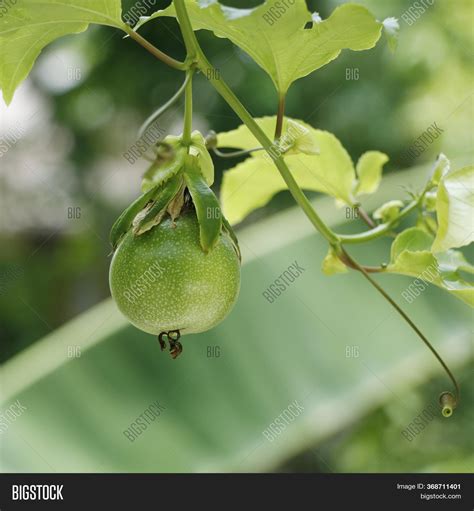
(188, 108)
(170, 61)
(448, 401)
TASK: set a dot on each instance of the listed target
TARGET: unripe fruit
(163, 281)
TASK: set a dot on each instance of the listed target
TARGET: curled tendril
(447, 400)
(448, 403)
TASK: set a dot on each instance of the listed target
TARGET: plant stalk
(190, 40)
(365, 217)
(170, 61)
(280, 116)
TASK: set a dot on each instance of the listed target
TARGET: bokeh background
(64, 180)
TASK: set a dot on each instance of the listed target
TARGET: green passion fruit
(164, 282)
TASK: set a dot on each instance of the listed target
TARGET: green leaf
(413, 240)
(388, 211)
(297, 138)
(369, 171)
(151, 216)
(332, 264)
(391, 30)
(252, 183)
(282, 46)
(410, 255)
(242, 138)
(293, 130)
(207, 206)
(455, 210)
(454, 261)
(30, 25)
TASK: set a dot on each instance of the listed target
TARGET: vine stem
(456, 398)
(170, 61)
(195, 53)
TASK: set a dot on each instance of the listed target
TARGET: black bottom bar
(403, 492)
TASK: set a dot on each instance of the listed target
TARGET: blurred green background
(64, 180)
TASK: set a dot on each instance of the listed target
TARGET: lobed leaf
(412, 240)
(28, 26)
(332, 264)
(316, 158)
(411, 255)
(252, 183)
(286, 41)
(298, 138)
(369, 171)
(455, 210)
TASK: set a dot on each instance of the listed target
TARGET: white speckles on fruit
(162, 280)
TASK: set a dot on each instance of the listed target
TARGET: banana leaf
(330, 344)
